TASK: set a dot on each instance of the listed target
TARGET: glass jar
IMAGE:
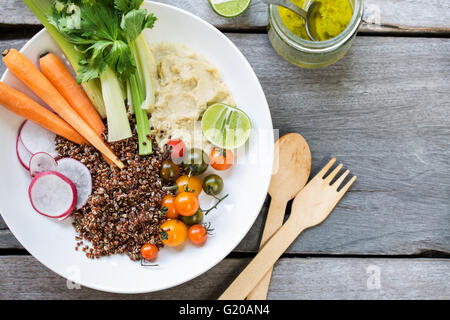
(312, 54)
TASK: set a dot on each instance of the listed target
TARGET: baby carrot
(27, 72)
(61, 78)
(22, 105)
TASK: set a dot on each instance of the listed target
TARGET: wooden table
(384, 110)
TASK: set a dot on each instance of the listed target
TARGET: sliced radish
(52, 194)
(23, 154)
(80, 175)
(41, 162)
(37, 139)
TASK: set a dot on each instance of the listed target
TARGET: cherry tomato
(195, 161)
(186, 203)
(178, 148)
(221, 159)
(213, 184)
(197, 234)
(169, 202)
(149, 251)
(194, 219)
(173, 232)
(194, 184)
(169, 170)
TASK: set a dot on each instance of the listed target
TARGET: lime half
(226, 126)
(229, 8)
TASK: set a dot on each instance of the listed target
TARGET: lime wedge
(229, 8)
(226, 126)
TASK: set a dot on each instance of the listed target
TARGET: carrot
(27, 72)
(61, 78)
(23, 106)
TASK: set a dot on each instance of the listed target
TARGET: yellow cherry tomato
(193, 184)
(173, 232)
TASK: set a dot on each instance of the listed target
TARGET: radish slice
(80, 175)
(23, 154)
(37, 139)
(41, 162)
(52, 194)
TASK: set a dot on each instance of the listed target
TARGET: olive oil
(330, 20)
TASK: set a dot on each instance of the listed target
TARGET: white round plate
(53, 242)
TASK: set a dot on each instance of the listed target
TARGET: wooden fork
(311, 207)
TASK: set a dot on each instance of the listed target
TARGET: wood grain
(384, 110)
(400, 16)
(294, 278)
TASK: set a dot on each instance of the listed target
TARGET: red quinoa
(123, 211)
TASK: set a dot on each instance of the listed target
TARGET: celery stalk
(93, 91)
(118, 124)
(147, 71)
(40, 9)
(142, 123)
(129, 99)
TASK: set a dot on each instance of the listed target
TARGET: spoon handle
(288, 5)
(274, 221)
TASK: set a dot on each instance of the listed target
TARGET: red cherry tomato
(197, 234)
(178, 148)
(221, 159)
(149, 251)
(186, 203)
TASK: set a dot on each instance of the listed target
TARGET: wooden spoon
(292, 165)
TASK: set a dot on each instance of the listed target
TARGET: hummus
(186, 85)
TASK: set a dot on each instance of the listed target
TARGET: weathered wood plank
(406, 16)
(8, 241)
(6, 44)
(383, 110)
(401, 16)
(294, 278)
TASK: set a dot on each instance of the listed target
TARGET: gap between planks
(11, 32)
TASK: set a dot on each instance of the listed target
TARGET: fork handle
(263, 261)
(274, 221)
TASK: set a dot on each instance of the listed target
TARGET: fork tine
(326, 168)
(338, 182)
(345, 188)
(333, 173)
